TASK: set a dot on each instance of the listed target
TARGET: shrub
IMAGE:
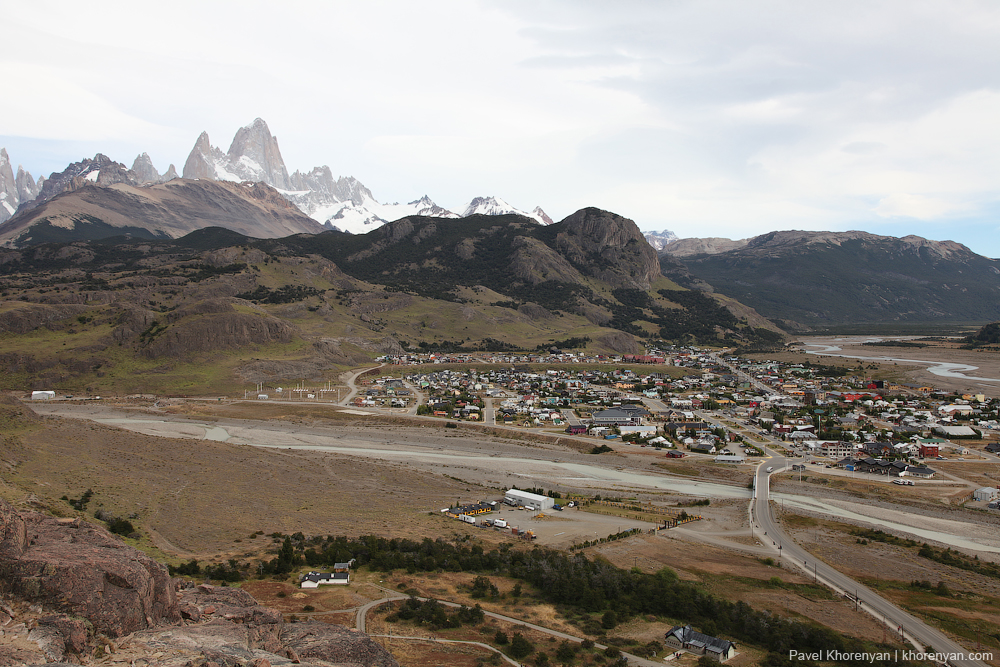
(120, 526)
(520, 647)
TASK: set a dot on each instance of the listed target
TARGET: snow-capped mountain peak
(497, 206)
(660, 240)
(343, 202)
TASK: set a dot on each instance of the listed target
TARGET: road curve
(768, 530)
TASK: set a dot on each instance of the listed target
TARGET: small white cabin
(42, 395)
(317, 579)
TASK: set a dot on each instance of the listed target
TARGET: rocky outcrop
(84, 571)
(324, 188)
(705, 246)
(535, 262)
(31, 316)
(222, 331)
(144, 170)
(72, 592)
(254, 156)
(334, 644)
(202, 159)
(620, 343)
(102, 171)
(8, 188)
(609, 247)
(14, 190)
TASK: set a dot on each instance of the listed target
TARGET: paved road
(767, 529)
(352, 387)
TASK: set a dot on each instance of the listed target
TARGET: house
(317, 579)
(682, 636)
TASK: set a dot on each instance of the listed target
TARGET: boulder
(84, 571)
(334, 644)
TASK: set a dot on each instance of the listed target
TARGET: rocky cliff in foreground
(72, 592)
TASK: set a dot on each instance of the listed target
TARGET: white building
(317, 579)
(986, 493)
(519, 497)
(42, 395)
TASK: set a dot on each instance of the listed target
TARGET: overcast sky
(707, 118)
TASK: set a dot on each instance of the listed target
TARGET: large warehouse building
(524, 498)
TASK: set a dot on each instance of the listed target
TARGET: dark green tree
(520, 647)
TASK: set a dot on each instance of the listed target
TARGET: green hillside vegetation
(213, 308)
(857, 280)
(988, 336)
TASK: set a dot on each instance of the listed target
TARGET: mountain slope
(594, 264)
(809, 279)
(168, 210)
(218, 307)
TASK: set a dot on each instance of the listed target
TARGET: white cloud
(62, 108)
(907, 205)
(716, 116)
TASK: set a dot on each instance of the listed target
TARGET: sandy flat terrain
(987, 363)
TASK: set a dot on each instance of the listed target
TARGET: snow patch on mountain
(497, 206)
(660, 240)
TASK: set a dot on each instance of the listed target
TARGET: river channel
(946, 369)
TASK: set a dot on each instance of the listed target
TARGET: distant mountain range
(801, 280)
(343, 203)
(805, 280)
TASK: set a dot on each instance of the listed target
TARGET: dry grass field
(208, 500)
(201, 498)
(970, 610)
